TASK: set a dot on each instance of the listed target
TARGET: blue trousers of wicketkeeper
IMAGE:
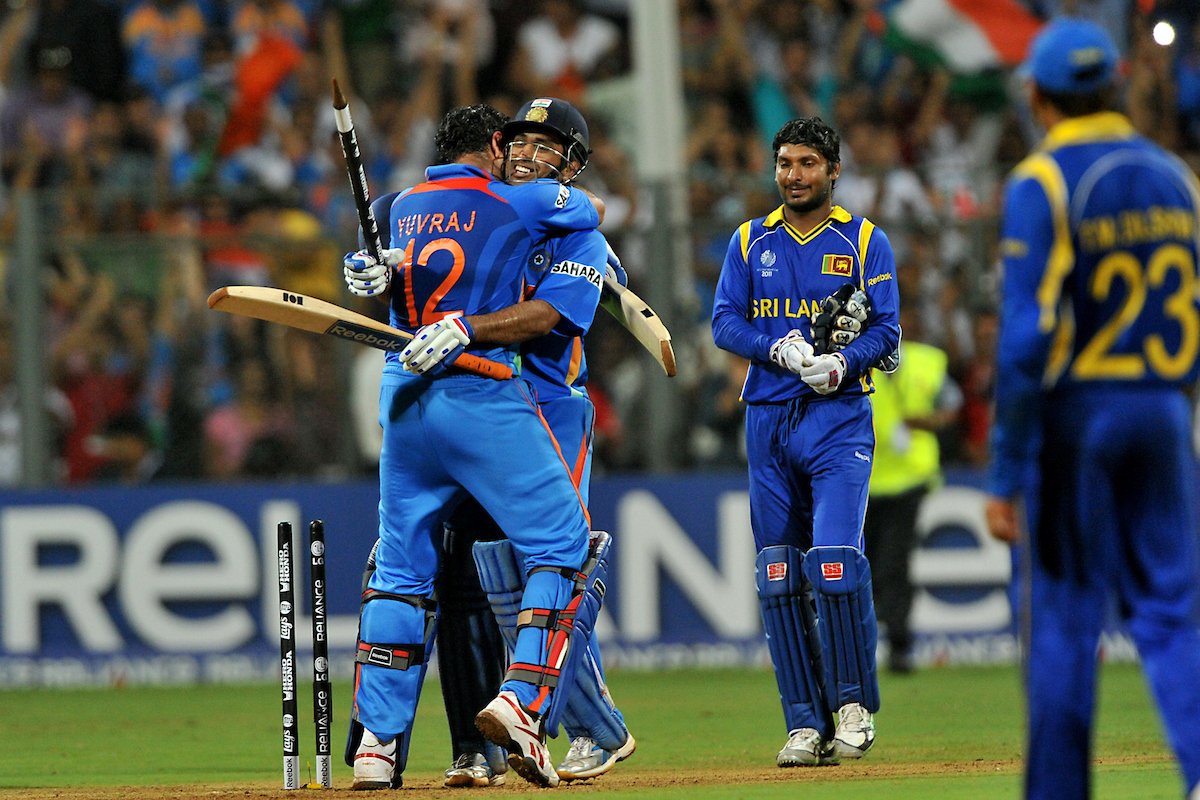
(810, 467)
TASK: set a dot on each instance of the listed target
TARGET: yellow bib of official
(906, 461)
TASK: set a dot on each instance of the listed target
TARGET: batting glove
(825, 373)
(365, 276)
(437, 345)
(615, 270)
(891, 362)
(792, 352)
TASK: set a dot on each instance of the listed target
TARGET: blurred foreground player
(1099, 334)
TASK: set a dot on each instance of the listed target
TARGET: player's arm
(574, 279)
(1027, 236)
(731, 327)
(547, 207)
(882, 333)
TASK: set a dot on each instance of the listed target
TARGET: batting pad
(502, 576)
(789, 624)
(589, 710)
(841, 581)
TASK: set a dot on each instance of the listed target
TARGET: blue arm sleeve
(1026, 237)
(732, 330)
(572, 283)
(883, 333)
(548, 207)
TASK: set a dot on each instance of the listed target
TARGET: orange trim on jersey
(561, 459)
(475, 184)
(576, 361)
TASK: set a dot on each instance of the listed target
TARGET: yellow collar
(837, 214)
(1105, 126)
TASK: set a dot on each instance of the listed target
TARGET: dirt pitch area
(629, 780)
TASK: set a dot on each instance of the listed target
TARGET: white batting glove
(365, 276)
(792, 352)
(825, 373)
(437, 344)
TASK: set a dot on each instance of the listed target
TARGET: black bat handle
(357, 172)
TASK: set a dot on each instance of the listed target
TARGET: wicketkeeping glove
(825, 373)
(437, 345)
(843, 316)
(792, 351)
(365, 276)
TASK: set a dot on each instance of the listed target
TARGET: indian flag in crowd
(974, 39)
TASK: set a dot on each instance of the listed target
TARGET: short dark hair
(1081, 104)
(813, 132)
(466, 129)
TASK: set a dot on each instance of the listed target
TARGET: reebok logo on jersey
(861, 456)
(832, 571)
(837, 265)
(887, 276)
(777, 571)
(575, 269)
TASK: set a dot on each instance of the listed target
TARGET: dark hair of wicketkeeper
(466, 129)
(812, 132)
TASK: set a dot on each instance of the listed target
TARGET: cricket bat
(312, 314)
(640, 320)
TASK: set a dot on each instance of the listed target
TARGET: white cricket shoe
(472, 769)
(374, 763)
(586, 759)
(855, 731)
(805, 748)
(505, 722)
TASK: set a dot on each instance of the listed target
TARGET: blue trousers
(442, 440)
(1111, 518)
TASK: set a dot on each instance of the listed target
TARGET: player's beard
(818, 199)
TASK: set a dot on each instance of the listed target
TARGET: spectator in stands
(563, 48)
(163, 39)
(43, 124)
(255, 412)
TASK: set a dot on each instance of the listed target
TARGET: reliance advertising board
(177, 584)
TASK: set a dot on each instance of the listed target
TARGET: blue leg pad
(841, 581)
(502, 576)
(789, 624)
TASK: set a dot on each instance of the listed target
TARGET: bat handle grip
(484, 366)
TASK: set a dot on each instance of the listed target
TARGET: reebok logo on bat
(363, 336)
(575, 269)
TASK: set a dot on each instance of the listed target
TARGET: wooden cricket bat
(297, 310)
(640, 320)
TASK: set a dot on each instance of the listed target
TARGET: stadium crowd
(175, 146)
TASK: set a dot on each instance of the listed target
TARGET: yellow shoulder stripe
(744, 234)
(864, 239)
(1061, 259)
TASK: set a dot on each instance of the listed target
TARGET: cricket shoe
(586, 759)
(375, 764)
(855, 731)
(805, 748)
(472, 769)
(506, 723)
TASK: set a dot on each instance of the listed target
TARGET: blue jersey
(1100, 285)
(468, 240)
(774, 278)
(567, 272)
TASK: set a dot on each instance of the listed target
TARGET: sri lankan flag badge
(837, 265)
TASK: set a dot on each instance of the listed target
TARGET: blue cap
(1072, 56)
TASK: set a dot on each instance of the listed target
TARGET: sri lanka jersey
(775, 277)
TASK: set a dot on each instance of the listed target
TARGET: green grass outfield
(943, 733)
